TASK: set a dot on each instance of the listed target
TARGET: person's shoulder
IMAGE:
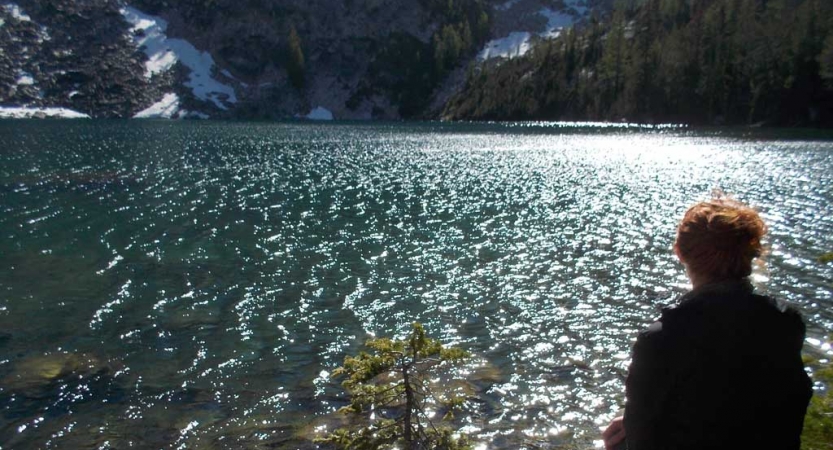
(778, 304)
(682, 313)
(656, 336)
(654, 330)
(781, 310)
(692, 312)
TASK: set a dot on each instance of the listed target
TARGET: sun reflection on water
(218, 273)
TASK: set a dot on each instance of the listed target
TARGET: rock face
(70, 54)
(340, 42)
(346, 59)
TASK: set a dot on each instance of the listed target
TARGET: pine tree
(694, 61)
(612, 67)
(295, 65)
(826, 61)
(393, 381)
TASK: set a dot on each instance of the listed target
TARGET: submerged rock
(193, 319)
(31, 374)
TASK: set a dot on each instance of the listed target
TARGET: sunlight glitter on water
(218, 271)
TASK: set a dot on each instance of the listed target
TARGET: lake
(194, 284)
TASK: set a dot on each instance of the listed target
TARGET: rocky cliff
(347, 59)
(71, 54)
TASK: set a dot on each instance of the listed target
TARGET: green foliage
(826, 61)
(826, 258)
(295, 65)
(465, 26)
(818, 423)
(449, 44)
(403, 68)
(409, 70)
(710, 61)
(392, 381)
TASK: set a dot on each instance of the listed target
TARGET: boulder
(34, 373)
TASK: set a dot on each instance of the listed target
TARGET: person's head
(718, 239)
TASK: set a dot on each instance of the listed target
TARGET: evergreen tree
(392, 381)
(696, 61)
(826, 61)
(612, 67)
(295, 64)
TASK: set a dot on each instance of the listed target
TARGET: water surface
(192, 285)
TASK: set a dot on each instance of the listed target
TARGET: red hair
(719, 239)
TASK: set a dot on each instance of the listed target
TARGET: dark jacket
(722, 370)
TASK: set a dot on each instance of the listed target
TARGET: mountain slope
(349, 59)
(704, 62)
(70, 54)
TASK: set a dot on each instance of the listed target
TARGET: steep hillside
(351, 59)
(289, 57)
(705, 62)
(71, 54)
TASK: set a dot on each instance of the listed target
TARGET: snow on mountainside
(179, 59)
(23, 79)
(149, 34)
(530, 20)
(17, 112)
(514, 45)
(68, 55)
(344, 58)
(166, 108)
(320, 113)
(169, 107)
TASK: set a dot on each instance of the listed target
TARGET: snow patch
(320, 113)
(163, 109)
(556, 21)
(24, 79)
(26, 112)
(519, 42)
(15, 11)
(168, 108)
(228, 74)
(149, 32)
(514, 45)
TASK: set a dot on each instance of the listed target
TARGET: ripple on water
(224, 270)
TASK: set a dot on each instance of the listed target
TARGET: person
(722, 369)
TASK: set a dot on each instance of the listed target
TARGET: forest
(704, 62)
(408, 70)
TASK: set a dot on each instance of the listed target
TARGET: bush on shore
(818, 423)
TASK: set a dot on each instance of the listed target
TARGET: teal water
(192, 285)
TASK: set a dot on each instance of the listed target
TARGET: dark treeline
(408, 70)
(692, 61)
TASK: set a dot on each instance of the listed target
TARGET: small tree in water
(392, 381)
